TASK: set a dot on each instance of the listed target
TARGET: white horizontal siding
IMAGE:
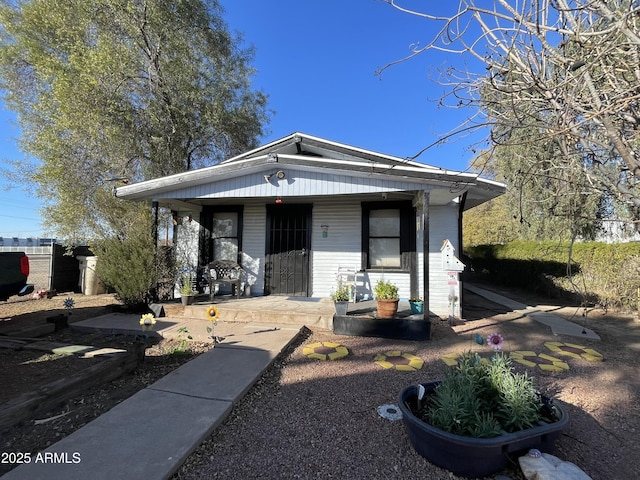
(253, 244)
(296, 183)
(340, 247)
(443, 225)
(343, 246)
(400, 280)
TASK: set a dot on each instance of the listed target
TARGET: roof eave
(142, 190)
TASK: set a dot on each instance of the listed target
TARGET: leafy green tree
(490, 223)
(550, 195)
(113, 91)
(538, 205)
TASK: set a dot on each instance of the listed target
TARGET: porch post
(424, 225)
(463, 200)
(154, 238)
(154, 224)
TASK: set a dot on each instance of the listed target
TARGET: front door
(288, 245)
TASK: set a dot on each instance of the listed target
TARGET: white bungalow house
(293, 211)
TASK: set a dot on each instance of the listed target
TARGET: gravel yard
(308, 418)
(317, 419)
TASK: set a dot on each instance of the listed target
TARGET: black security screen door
(288, 245)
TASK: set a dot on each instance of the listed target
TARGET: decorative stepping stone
(542, 361)
(390, 412)
(58, 348)
(325, 351)
(405, 362)
(575, 351)
(451, 359)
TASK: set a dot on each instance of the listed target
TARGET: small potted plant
(386, 294)
(186, 290)
(479, 413)
(247, 281)
(341, 299)
(417, 305)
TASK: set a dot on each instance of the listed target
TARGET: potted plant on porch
(416, 304)
(186, 290)
(481, 412)
(341, 299)
(386, 294)
(384, 324)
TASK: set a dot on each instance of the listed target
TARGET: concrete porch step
(316, 312)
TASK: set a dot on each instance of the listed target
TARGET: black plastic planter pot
(473, 457)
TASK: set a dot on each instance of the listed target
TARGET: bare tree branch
(560, 71)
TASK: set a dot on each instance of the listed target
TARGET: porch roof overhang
(318, 155)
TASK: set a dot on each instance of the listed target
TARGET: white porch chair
(348, 275)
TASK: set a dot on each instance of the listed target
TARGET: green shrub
(342, 293)
(480, 399)
(127, 266)
(606, 274)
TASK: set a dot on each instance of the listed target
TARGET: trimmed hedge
(605, 274)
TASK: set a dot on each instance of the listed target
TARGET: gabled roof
(305, 152)
(306, 145)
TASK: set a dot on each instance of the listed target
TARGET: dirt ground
(25, 370)
(602, 398)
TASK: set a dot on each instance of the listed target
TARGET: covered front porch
(309, 311)
(294, 212)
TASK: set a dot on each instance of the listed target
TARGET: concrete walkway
(150, 434)
(559, 326)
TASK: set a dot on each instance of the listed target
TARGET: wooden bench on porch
(224, 271)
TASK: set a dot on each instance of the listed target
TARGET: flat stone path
(558, 325)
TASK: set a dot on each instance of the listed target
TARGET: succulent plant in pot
(386, 294)
(481, 412)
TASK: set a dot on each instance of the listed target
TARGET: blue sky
(316, 60)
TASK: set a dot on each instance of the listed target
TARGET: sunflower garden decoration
(147, 321)
(212, 315)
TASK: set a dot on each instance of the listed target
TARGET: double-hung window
(221, 233)
(388, 234)
(224, 234)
